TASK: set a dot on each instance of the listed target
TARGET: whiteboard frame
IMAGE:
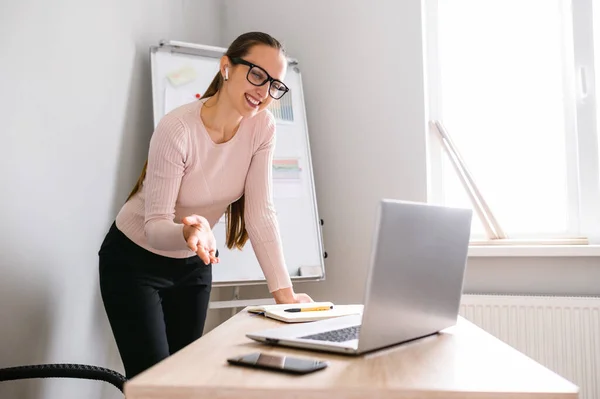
(216, 52)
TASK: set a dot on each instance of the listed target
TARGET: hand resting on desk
(287, 295)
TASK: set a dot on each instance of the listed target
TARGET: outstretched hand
(200, 238)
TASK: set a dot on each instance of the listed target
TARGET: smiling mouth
(252, 101)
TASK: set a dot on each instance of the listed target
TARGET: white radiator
(561, 333)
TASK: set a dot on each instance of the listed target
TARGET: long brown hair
(236, 234)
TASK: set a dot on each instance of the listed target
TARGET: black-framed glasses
(258, 77)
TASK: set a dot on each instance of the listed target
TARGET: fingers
(203, 254)
(197, 241)
(213, 256)
(192, 243)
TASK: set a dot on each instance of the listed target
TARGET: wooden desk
(461, 362)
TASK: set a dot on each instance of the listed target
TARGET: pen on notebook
(317, 308)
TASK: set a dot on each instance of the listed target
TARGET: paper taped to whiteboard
(182, 76)
(282, 110)
(287, 168)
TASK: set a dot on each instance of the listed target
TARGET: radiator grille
(561, 333)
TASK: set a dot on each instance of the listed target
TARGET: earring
(226, 73)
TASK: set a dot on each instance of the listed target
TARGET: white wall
(534, 275)
(362, 69)
(75, 119)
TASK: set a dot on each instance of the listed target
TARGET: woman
(206, 158)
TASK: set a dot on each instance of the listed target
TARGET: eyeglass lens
(257, 77)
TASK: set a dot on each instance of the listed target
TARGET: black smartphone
(286, 364)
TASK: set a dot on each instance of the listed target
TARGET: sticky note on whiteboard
(182, 76)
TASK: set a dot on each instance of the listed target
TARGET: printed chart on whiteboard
(287, 179)
(282, 109)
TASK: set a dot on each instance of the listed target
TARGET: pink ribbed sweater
(188, 173)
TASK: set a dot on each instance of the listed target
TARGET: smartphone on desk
(283, 363)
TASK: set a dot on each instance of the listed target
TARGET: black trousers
(155, 305)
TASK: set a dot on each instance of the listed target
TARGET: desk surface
(461, 362)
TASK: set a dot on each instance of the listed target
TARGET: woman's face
(247, 98)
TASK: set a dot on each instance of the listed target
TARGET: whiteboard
(293, 181)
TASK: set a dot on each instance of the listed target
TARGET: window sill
(533, 250)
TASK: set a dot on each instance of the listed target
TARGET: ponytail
(236, 234)
(140, 181)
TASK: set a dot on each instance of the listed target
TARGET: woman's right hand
(287, 295)
(200, 238)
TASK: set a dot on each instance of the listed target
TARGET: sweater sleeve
(166, 164)
(260, 216)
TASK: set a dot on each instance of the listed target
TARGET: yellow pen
(317, 308)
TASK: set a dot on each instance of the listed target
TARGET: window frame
(583, 163)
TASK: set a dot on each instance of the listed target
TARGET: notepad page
(337, 311)
(281, 307)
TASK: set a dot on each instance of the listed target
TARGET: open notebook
(278, 312)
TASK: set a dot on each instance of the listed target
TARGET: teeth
(253, 101)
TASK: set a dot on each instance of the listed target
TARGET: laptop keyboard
(341, 335)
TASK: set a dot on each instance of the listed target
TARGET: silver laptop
(413, 288)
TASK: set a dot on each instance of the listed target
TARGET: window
(512, 84)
